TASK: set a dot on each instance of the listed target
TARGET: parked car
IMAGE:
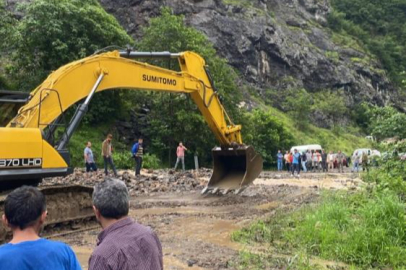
(370, 152)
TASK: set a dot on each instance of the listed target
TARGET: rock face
(275, 44)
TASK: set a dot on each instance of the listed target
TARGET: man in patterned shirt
(123, 244)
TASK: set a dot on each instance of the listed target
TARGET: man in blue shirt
(295, 163)
(279, 158)
(137, 152)
(25, 214)
(89, 159)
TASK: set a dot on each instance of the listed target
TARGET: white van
(370, 152)
(304, 148)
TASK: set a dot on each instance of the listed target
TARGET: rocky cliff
(274, 44)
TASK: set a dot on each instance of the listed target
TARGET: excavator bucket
(233, 169)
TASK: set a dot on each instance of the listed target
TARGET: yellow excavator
(29, 151)
(27, 154)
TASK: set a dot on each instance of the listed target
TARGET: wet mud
(195, 230)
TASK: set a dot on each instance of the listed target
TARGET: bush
(150, 161)
(298, 104)
(123, 160)
(267, 134)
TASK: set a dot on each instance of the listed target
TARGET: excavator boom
(235, 165)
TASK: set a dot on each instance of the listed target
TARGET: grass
(240, 3)
(365, 230)
(333, 56)
(259, 261)
(345, 40)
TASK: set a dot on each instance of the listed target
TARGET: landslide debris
(150, 181)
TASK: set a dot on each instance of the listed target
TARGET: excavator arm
(235, 165)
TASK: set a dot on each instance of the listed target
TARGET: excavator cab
(10, 102)
(233, 169)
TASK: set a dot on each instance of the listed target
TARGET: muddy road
(195, 230)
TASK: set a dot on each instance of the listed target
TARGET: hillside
(276, 48)
(275, 44)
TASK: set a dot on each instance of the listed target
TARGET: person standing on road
(324, 161)
(287, 161)
(123, 243)
(304, 161)
(138, 152)
(330, 159)
(315, 159)
(279, 159)
(180, 155)
(340, 158)
(25, 214)
(291, 162)
(365, 162)
(355, 162)
(295, 163)
(107, 150)
(309, 160)
(89, 159)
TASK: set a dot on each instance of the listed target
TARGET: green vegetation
(381, 122)
(121, 155)
(53, 33)
(6, 27)
(364, 229)
(239, 3)
(70, 29)
(331, 104)
(380, 25)
(175, 118)
(298, 104)
(333, 56)
(329, 140)
(267, 134)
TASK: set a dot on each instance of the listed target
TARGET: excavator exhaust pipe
(233, 169)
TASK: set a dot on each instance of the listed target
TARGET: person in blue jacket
(137, 152)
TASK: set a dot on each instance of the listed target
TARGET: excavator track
(69, 209)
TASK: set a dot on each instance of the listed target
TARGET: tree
(7, 31)
(380, 25)
(387, 122)
(7, 23)
(298, 104)
(169, 32)
(331, 104)
(53, 33)
(175, 117)
(267, 135)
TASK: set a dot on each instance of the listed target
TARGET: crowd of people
(122, 244)
(319, 161)
(137, 152)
